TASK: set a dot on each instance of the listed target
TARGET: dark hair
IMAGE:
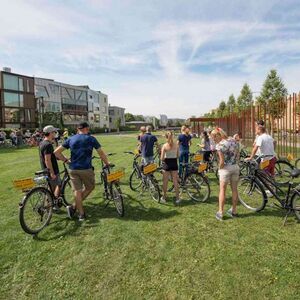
(206, 137)
(260, 123)
(47, 133)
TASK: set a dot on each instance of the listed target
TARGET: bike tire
(197, 187)
(117, 197)
(67, 192)
(38, 209)
(297, 163)
(283, 171)
(295, 203)
(154, 188)
(252, 194)
(135, 176)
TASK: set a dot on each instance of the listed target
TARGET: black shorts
(170, 164)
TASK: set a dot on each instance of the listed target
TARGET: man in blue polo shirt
(184, 142)
(81, 171)
(147, 144)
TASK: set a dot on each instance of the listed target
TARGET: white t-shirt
(266, 146)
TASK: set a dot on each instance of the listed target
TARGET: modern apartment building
(73, 103)
(116, 114)
(17, 102)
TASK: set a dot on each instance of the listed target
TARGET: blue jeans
(147, 160)
(183, 158)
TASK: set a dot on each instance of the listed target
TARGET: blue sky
(180, 58)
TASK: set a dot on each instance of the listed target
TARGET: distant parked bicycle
(142, 177)
(112, 189)
(254, 187)
(36, 207)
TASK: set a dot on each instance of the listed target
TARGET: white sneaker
(178, 201)
(163, 200)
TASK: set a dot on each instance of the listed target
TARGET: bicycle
(36, 207)
(193, 180)
(143, 177)
(212, 163)
(252, 190)
(112, 189)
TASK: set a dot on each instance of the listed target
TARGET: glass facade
(10, 82)
(13, 99)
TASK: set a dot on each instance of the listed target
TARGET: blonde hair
(183, 128)
(169, 137)
(219, 132)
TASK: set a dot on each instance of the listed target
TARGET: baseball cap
(49, 129)
(83, 125)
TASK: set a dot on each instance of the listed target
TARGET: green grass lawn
(155, 251)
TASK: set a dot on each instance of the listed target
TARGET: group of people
(173, 154)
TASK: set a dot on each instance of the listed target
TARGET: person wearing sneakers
(148, 141)
(184, 142)
(169, 156)
(81, 171)
(48, 159)
(229, 171)
(264, 146)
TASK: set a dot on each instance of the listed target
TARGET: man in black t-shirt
(48, 159)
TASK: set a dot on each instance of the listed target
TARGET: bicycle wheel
(117, 197)
(197, 187)
(135, 180)
(283, 171)
(67, 192)
(36, 210)
(295, 201)
(251, 194)
(297, 163)
(154, 189)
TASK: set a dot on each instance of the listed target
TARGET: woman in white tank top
(169, 156)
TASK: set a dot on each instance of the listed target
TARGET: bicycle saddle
(42, 172)
(295, 173)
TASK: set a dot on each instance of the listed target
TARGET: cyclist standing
(81, 171)
(48, 159)
(264, 145)
(148, 141)
(205, 146)
(184, 142)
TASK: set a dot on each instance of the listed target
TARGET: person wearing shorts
(48, 159)
(229, 171)
(169, 157)
(81, 170)
(148, 141)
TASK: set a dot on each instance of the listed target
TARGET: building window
(27, 86)
(52, 106)
(91, 97)
(12, 99)
(97, 118)
(21, 85)
(12, 115)
(10, 82)
(110, 120)
(41, 91)
(105, 100)
(54, 89)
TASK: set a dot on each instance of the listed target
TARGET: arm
(254, 150)
(162, 155)
(103, 156)
(49, 166)
(221, 160)
(58, 153)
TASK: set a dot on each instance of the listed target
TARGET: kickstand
(286, 216)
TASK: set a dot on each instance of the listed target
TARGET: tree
(272, 97)
(139, 118)
(118, 124)
(231, 105)
(222, 109)
(129, 117)
(245, 99)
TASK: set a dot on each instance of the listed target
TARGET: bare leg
(234, 196)
(57, 191)
(165, 182)
(175, 182)
(222, 196)
(86, 192)
(78, 201)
